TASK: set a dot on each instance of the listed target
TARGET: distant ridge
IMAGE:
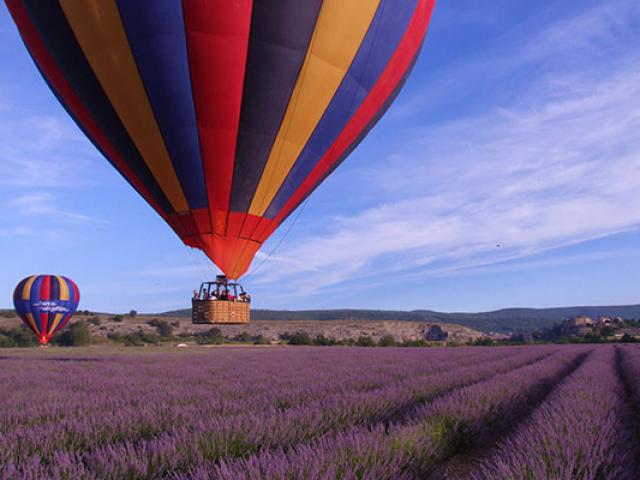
(507, 320)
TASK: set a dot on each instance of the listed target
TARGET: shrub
(94, 321)
(76, 335)
(162, 327)
(133, 313)
(387, 341)
(324, 341)
(298, 338)
(19, 337)
(261, 340)
(212, 336)
(132, 340)
(117, 318)
(6, 342)
(116, 337)
(483, 342)
(243, 337)
(365, 341)
(607, 331)
(626, 338)
(591, 338)
(414, 343)
(139, 338)
(215, 332)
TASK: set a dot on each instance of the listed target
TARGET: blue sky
(507, 173)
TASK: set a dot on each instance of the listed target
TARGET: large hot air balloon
(224, 114)
(45, 303)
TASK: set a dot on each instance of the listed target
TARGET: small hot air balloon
(224, 115)
(45, 303)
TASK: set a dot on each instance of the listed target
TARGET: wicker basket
(220, 311)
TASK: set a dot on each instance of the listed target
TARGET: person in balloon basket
(196, 295)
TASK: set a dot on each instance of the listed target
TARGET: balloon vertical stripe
(31, 323)
(155, 30)
(45, 295)
(280, 34)
(55, 288)
(339, 32)
(217, 33)
(74, 289)
(26, 290)
(54, 323)
(99, 31)
(64, 288)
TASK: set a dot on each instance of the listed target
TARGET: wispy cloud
(527, 55)
(42, 152)
(45, 205)
(558, 165)
(45, 163)
(21, 232)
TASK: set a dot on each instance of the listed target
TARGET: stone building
(577, 324)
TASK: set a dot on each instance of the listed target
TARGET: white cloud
(20, 232)
(45, 205)
(44, 162)
(558, 165)
(42, 151)
(530, 54)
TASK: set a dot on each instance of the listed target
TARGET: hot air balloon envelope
(224, 115)
(45, 303)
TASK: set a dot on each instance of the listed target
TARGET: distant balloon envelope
(45, 303)
(224, 116)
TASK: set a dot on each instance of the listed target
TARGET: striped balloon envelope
(45, 303)
(224, 114)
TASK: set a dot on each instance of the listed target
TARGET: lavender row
(230, 388)
(408, 450)
(580, 433)
(630, 365)
(86, 429)
(244, 435)
(206, 439)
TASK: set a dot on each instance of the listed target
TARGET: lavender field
(536, 412)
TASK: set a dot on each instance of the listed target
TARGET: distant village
(582, 328)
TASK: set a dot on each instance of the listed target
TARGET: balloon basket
(221, 302)
(220, 312)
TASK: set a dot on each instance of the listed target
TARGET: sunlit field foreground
(321, 413)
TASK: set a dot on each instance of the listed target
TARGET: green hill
(508, 320)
